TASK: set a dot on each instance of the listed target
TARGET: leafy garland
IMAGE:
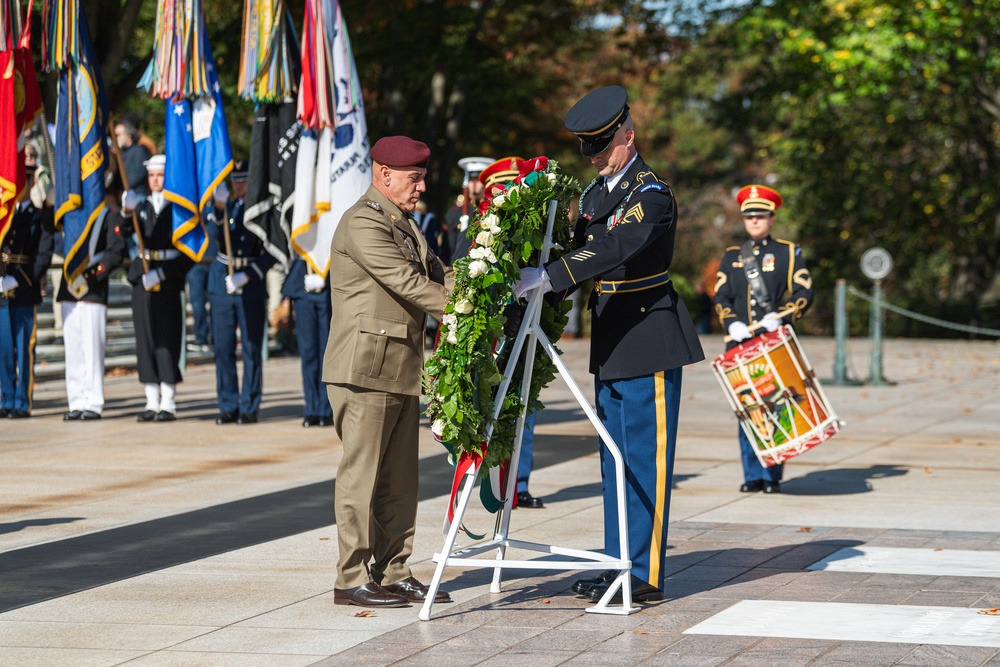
(463, 373)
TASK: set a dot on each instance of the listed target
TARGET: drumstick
(757, 325)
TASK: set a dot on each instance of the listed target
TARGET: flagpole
(135, 220)
(229, 242)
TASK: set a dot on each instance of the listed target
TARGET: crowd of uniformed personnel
(361, 330)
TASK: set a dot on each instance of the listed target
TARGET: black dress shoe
(4, 412)
(369, 595)
(164, 416)
(310, 421)
(752, 487)
(325, 421)
(89, 415)
(72, 415)
(581, 586)
(772, 487)
(525, 499)
(226, 418)
(146, 416)
(414, 591)
(641, 592)
(18, 414)
(246, 419)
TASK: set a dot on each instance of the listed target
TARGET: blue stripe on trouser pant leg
(641, 415)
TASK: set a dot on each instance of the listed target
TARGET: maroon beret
(400, 151)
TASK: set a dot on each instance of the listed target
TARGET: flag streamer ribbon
(269, 60)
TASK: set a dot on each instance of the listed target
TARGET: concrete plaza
(188, 543)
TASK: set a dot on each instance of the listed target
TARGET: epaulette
(373, 205)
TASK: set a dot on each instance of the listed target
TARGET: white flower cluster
(450, 323)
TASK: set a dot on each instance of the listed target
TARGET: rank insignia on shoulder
(373, 205)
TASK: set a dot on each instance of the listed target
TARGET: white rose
(449, 320)
(552, 178)
(453, 337)
(478, 252)
(489, 221)
(490, 256)
(484, 238)
(437, 428)
(495, 229)
(499, 199)
(478, 268)
(463, 306)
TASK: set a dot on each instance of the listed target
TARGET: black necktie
(602, 195)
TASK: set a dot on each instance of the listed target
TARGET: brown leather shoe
(369, 595)
(414, 591)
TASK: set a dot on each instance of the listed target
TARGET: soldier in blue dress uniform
(310, 295)
(239, 300)
(784, 283)
(25, 255)
(642, 334)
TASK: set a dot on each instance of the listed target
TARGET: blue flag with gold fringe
(198, 159)
(81, 119)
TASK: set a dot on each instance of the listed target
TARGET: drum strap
(752, 271)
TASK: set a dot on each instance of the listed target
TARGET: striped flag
(333, 168)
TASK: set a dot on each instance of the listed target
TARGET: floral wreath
(465, 369)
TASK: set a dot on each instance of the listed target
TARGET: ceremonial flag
(81, 126)
(198, 159)
(333, 168)
(274, 144)
(271, 79)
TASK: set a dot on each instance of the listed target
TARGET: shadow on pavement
(839, 481)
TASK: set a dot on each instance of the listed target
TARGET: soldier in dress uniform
(238, 299)
(25, 255)
(156, 295)
(85, 320)
(457, 219)
(782, 283)
(310, 295)
(642, 333)
(383, 283)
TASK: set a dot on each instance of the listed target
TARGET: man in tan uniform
(384, 282)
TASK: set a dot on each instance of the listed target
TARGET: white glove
(8, 283)
(41, 196)
(129, 200)
(463, 223)
(221, 195)
(771, 322)
(235, 282)
(153, 278)
(315, 282)
(531, 278)
(739, 331)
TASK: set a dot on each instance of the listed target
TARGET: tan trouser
(376, 496)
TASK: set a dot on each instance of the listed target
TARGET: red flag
(8, 137)
(27, 95)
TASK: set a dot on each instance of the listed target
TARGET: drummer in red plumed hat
(762, 283)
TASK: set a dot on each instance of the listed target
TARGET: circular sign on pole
(876, 263)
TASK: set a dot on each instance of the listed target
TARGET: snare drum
(776, 396)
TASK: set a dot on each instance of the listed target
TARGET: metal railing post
(840, 333)
(875, 329)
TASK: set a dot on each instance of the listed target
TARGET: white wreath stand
(529, 332)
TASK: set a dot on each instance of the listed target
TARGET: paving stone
(943, 599)
(947, 656)
(868, 654)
